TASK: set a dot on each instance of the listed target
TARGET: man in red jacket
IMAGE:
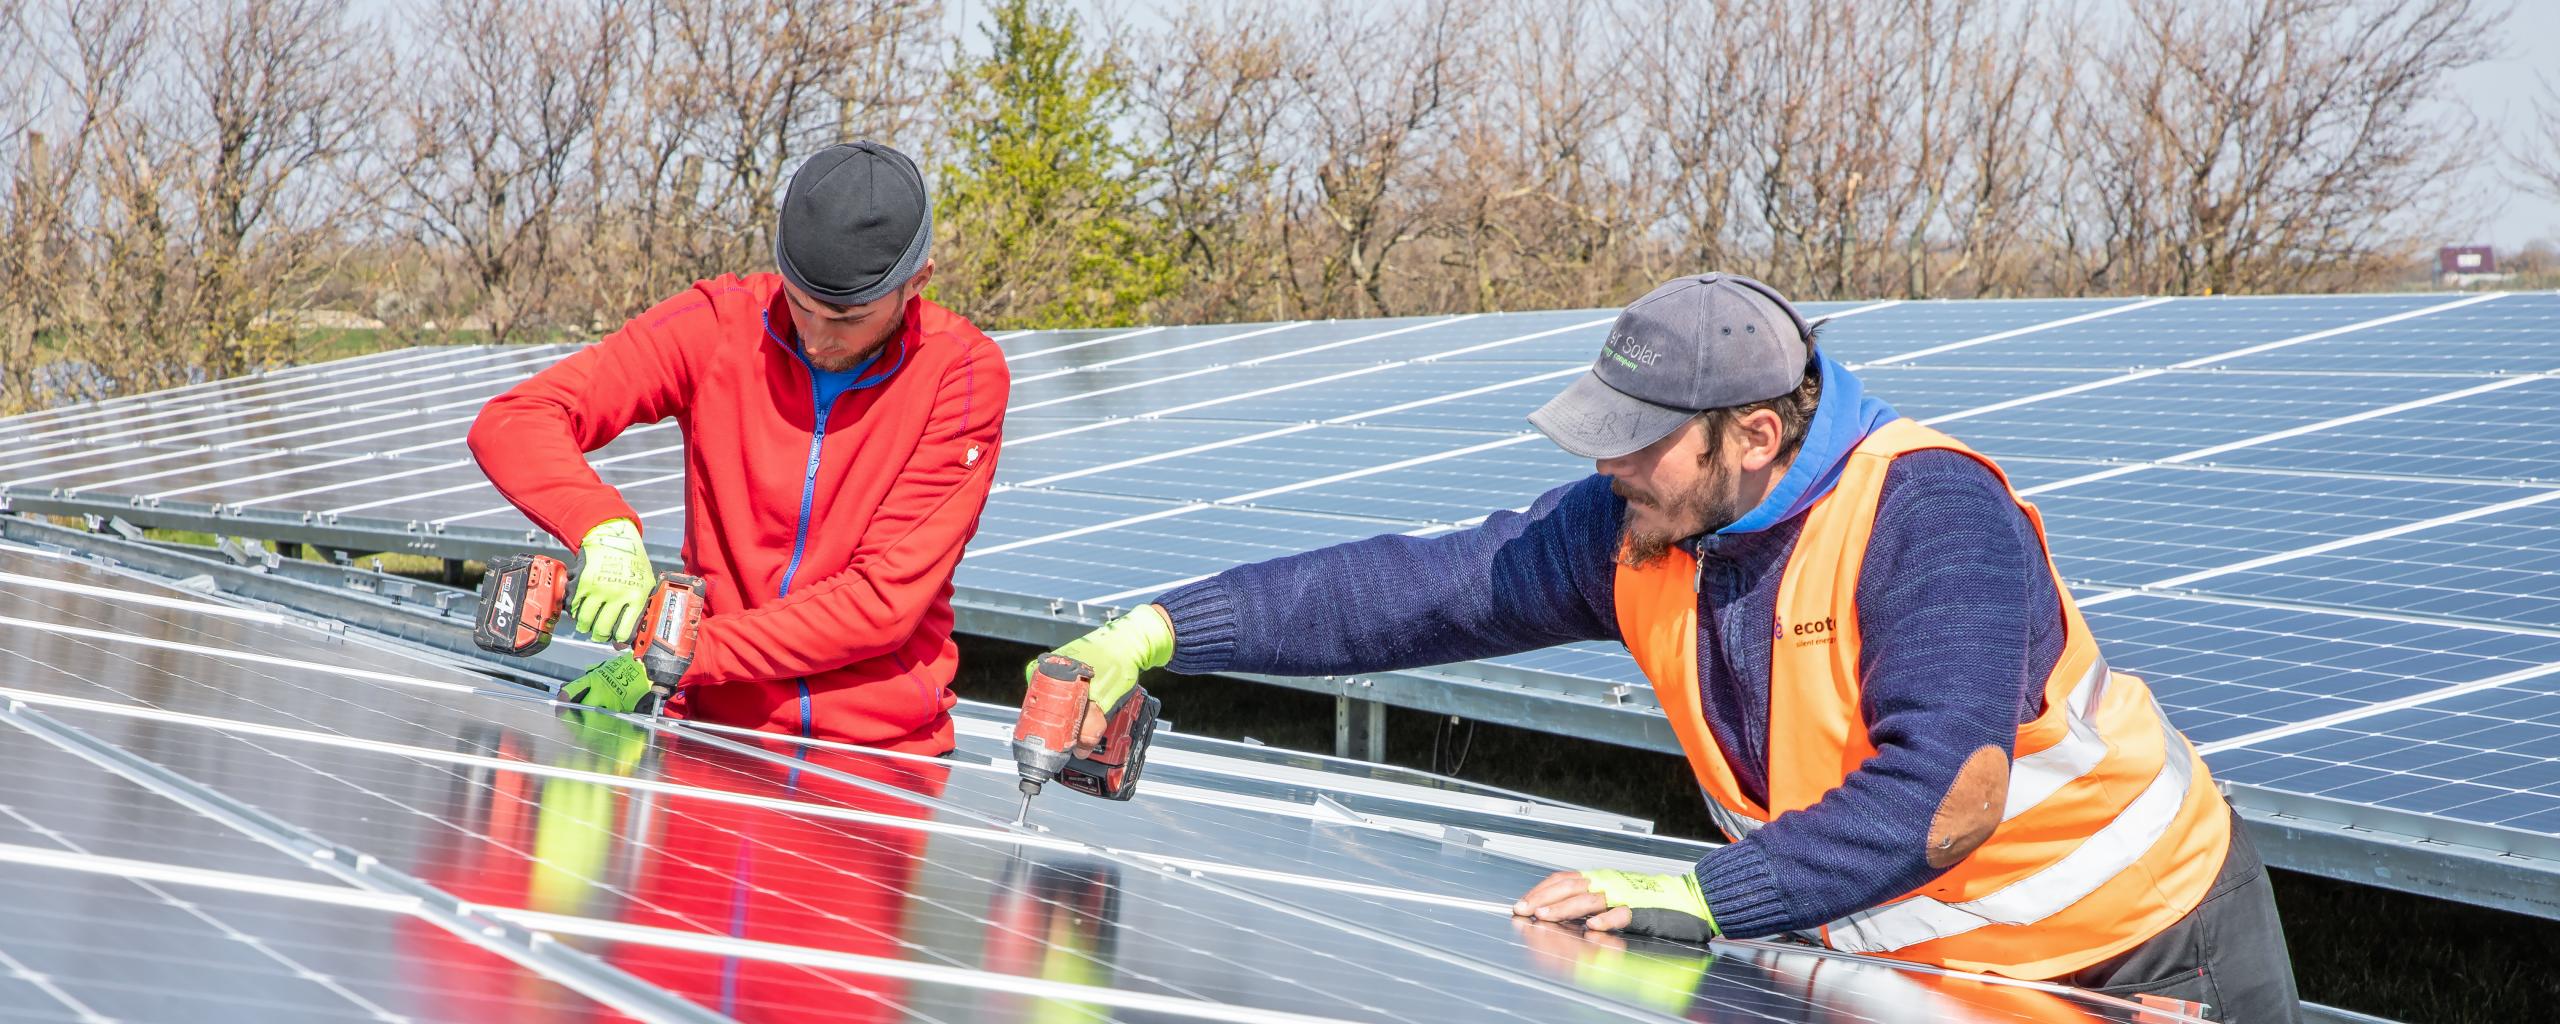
(840, 435)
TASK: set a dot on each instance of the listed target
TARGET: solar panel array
(2322, 527)
(229, 814)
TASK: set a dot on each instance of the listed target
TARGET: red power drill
(1044, 738)
(522, 596)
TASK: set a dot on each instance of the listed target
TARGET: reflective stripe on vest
(2032, 778)
(2111, 829)
(2104, 855)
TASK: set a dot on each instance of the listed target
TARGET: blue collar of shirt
(830, 385)
(1846, 415)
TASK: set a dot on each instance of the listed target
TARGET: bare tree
(1374, 88)
(1693, 63)
(177, 173)
(1967, 165)
(70, 227)
(26, 212)
(503, 105)
(2539, 160)
(1544, 200)
(715, 99)
(2276, 144)
(764, 82)
(1850, 141)
(275, 100)
(1209, 90)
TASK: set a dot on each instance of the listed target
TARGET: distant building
(2461, 266)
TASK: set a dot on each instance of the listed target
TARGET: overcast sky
(2502, 92)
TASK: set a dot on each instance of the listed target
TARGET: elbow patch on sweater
(1971, 808)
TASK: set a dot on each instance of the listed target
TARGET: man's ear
(1759, 432)
(915, 285)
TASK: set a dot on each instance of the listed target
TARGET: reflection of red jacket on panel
(777, 877)
(696, 866)
(827, 536)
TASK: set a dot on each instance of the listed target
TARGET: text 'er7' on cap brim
(1596, 421)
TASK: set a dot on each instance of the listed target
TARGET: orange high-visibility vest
(2112, 830)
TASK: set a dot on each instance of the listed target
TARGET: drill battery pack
(520, 601)
(1111, 771)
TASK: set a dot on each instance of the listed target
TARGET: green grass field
(425, 567)
(321, 344)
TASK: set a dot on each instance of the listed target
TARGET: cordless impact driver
(1053, 713)
(520, 603)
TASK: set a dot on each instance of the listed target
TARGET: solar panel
(128, 407)
(1372, 395)
(86, 810)
(1921, 392)
(81, 946)
(2151, 525)
(1151, 554)
(2294, 514)
(2166, 416)
(2481, 756)
(2508, 333)
(2505, 434)
(1903, 331)
(2499, 568)
(246, 816)
(2227, 670)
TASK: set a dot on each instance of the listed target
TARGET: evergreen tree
(1042, 217)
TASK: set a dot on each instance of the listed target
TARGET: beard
(1711, 505)
(840, 363)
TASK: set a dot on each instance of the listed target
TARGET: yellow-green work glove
(1664, 906)
(613, 582)
(615, 684)
(1118, 652)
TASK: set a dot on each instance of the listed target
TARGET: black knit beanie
(855, 224)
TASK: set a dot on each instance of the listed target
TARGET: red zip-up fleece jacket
(827, 537)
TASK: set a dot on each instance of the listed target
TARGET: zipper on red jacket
(809, 475)
(800, 539)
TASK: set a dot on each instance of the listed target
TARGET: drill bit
(1029, 790)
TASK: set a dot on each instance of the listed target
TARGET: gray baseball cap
(1701, 342)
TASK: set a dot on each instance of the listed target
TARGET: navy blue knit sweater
(1960, 620)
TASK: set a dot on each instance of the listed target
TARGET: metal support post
(1359, 729)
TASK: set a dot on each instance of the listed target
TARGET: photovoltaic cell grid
(2280, 510)
(103, 947)
(198, 758)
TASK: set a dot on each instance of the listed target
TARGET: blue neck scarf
(1846, 415)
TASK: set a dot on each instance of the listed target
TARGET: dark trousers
(2228, 954)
